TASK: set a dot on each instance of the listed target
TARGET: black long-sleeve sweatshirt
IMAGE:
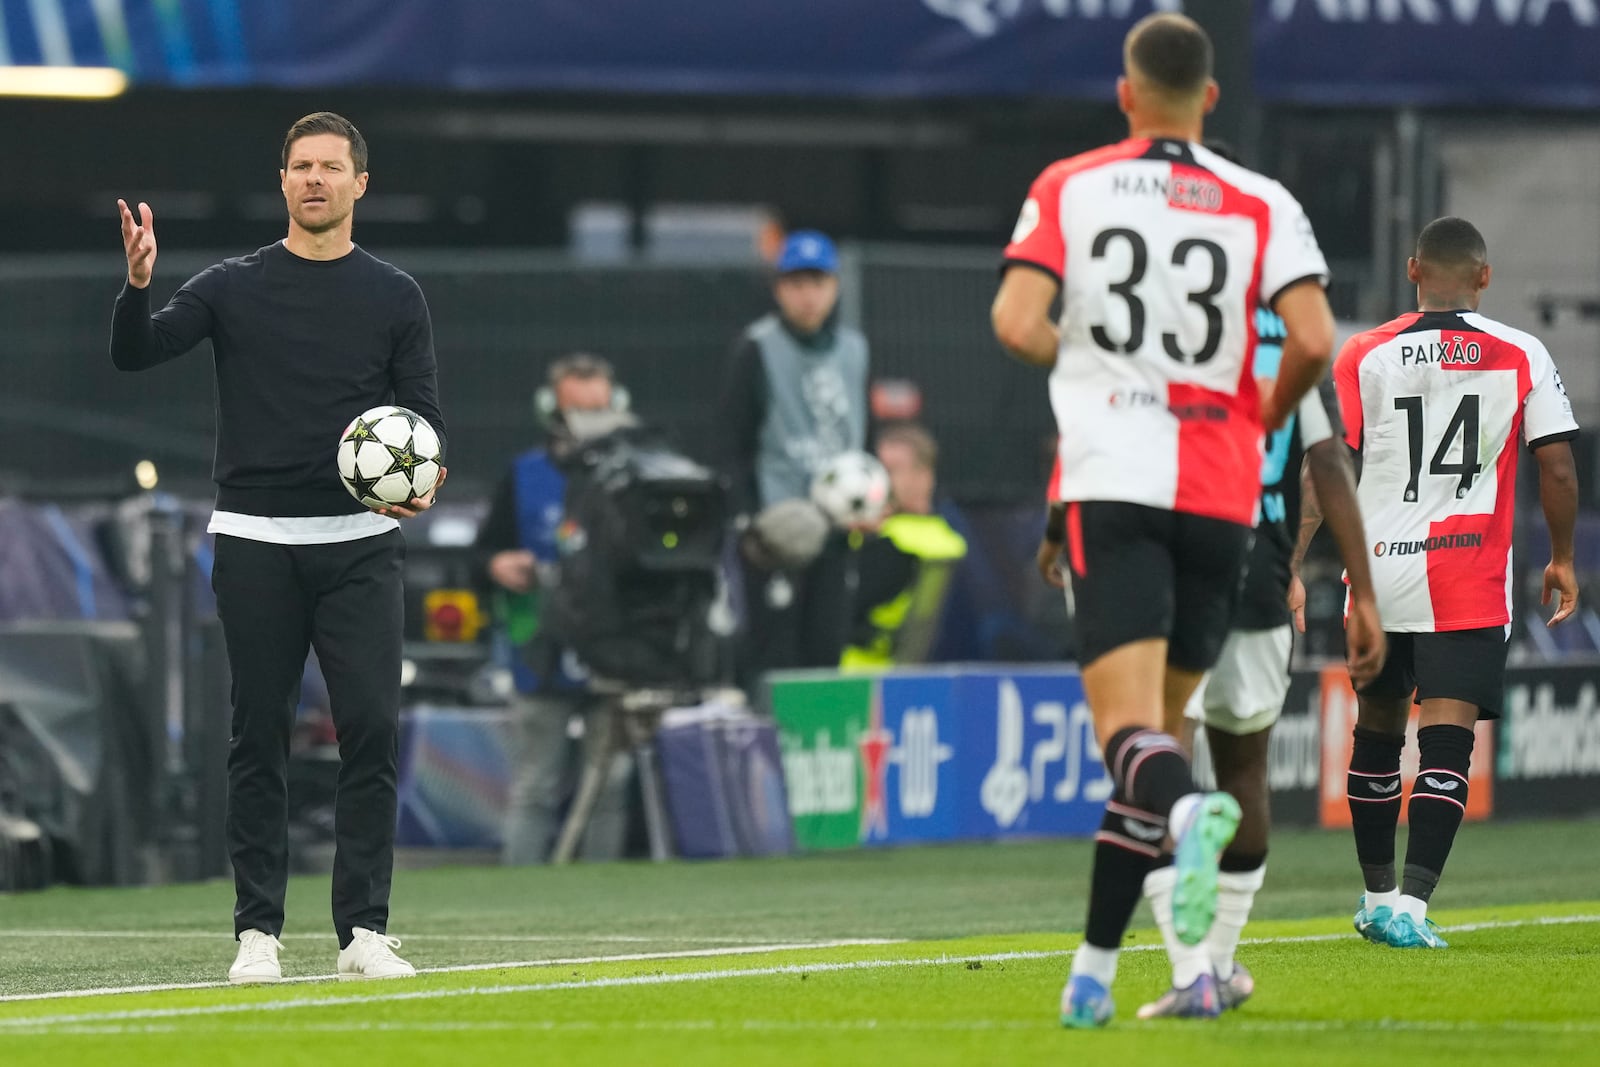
(301, 347)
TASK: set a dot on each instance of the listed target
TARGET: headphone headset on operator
(576, 365)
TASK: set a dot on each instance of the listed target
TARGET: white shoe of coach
(257, 960)
(371, 955)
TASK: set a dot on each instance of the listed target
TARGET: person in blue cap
(794, 396)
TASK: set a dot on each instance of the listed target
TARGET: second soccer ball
(852, 489)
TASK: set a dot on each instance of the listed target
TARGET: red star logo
(875, 744)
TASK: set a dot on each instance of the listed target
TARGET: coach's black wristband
(1055, 524)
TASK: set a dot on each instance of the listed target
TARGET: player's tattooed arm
(1310, 520)
(1330, 489)
(1310, 516)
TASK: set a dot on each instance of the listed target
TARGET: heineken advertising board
(821, 721)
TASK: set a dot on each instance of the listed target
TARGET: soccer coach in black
(307, 333)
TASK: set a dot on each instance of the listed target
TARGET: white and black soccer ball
(388, 455)
(852, 489)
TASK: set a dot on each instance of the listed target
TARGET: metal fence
(70, 424)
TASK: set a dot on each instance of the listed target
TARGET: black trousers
(276, 602)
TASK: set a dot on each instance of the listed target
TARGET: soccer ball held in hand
(388, 455)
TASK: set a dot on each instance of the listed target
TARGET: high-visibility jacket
(903, 628)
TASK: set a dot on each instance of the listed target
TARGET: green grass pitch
(951, 955)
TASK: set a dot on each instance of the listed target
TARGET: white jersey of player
(1436, 402)
(1165, 251)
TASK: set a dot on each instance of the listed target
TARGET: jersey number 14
(1463, 423)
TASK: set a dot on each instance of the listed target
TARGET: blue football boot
(1374, 925)
(1085, 1003)
(1406, 932)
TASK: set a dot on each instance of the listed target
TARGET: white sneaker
(371, 955)
(257, 960)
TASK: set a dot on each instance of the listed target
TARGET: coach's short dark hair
(327, 122)
(1172, 51)
(1451, 242)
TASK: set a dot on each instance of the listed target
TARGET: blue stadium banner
(1033, 765)
(889, 48)
(915, 773)
(1528, 53)
(974, 754)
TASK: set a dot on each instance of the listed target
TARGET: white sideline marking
(1519, 1026)
(631, 957)
(49, 1021)
(219, 935)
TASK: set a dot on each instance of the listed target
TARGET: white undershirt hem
(301, 529)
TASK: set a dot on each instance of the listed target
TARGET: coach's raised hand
(139, 243)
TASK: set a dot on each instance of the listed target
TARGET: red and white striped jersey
(1436, 401)
(1164, 250)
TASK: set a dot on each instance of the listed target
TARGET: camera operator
(553, 698)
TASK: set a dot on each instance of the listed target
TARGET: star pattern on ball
(404, 458)
(361, 431)
(362, 486)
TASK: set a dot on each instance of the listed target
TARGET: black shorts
(1467, 665)
(1140, 572)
